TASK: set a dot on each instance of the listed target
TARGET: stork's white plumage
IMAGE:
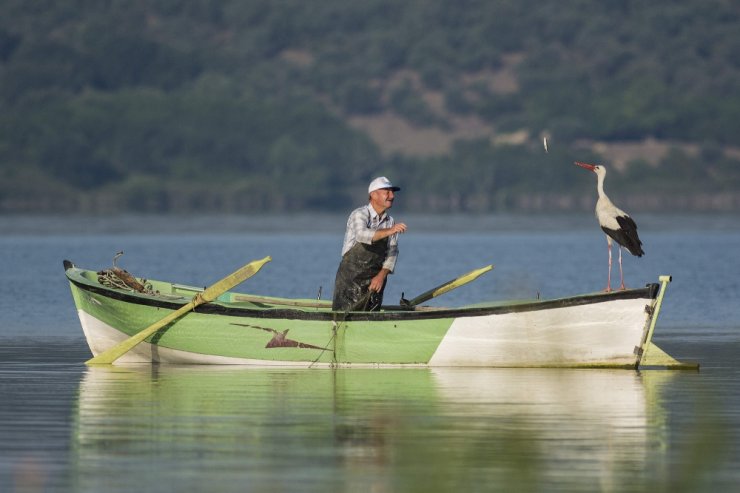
(616, 223)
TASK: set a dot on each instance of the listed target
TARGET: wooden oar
(208, 295)
(448, 286)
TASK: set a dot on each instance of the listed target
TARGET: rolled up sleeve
(390, 261)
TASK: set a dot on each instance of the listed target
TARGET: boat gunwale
(74, 275)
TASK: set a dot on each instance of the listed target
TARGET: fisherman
(369, 251)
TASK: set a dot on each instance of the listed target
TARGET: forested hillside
(252, 105)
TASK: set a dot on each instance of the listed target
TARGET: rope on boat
(118, 278)
(333, 339)
(337, 324)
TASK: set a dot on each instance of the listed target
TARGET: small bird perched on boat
(616, 223)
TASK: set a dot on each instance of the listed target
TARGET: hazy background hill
(248, 105)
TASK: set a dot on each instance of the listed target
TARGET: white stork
(616, 223)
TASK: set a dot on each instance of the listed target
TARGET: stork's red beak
(585, 165)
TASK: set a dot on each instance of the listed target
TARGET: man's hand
(376, 283)
(398, 228)
(386, 232)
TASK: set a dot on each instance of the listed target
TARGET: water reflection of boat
(595, 330)
(278, 428)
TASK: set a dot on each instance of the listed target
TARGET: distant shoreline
(502, 202)
(333, 224)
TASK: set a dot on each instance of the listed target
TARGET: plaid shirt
(362, 224)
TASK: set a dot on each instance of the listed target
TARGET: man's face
(382, 199)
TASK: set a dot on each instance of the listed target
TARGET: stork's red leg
(621, 276)
(609, 276)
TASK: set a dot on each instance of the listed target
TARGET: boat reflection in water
(203, 428)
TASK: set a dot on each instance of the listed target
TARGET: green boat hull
(592, 330)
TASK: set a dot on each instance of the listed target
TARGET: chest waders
(358, 266)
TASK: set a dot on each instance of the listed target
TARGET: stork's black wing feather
(628, 236)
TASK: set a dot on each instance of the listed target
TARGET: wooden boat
(600, 330)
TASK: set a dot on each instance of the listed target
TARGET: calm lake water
(66, 427)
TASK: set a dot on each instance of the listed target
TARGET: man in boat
(369, 251)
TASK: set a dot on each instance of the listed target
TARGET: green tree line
(246, 105)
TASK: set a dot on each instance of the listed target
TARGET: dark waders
(358, 266)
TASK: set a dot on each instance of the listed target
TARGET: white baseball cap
(380, 183)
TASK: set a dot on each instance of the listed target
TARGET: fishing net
(118, 278)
